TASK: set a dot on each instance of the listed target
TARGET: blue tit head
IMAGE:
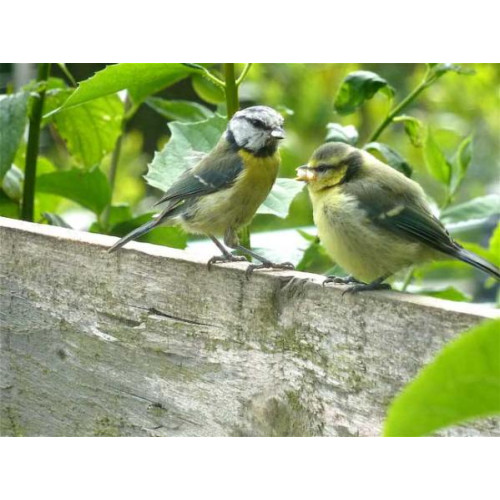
(331, 164)
(256, 129)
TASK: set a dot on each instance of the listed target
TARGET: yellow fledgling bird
(221, 194)
(372, 220)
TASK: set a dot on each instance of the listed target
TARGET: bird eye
(321, 169)
(256, 122)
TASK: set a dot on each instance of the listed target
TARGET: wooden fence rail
(148, 342)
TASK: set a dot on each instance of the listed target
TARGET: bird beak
(305, 173)
(278, 133)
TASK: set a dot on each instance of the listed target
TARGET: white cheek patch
(247, 136)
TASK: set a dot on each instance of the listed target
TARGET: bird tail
(478, 262)
(135, 234)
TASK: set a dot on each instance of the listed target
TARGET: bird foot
(341, 280)
(268, 265)
(223, 259)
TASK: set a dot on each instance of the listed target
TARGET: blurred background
(454, 107)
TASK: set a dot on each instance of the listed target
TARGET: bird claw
(268, 265)
(223, 259)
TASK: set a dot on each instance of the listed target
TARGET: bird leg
(231, 240)
(374, 285)
(341, 280)
(225, 257)
(264, 263)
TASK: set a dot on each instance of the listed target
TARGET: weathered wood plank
(148, 342)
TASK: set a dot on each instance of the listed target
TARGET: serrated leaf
(462, 383)
(188, 143)
(12, 183)
(140, 79)
(55, 220)
(184, 111)
(90, 130)
(391, 157)
(88, 188)
(338, 133)
(208, 90)
(168, 236)
(13, 118)
(357, 88)
(281, 196)
(477, 208)
(435, 160)
(414, 129)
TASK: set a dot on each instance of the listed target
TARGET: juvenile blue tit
(372, 220)
(223, 191)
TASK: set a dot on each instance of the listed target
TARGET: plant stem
(231, 90)
(128, 112)
(403, 104)
(244, 73)
(33, 143)
(408, 279)
(232, 104)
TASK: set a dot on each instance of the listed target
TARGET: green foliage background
(459, 113)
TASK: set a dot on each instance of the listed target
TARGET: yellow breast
(235, 206)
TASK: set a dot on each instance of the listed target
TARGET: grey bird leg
(374, 285)
(225, 257)
(231, 240)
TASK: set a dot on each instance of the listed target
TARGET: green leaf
(88, 188)
(140, 79)
(8, 207)
(447, 293)
(494, 245)
(481, 207)
(168, 236)
(91, 130)
(462, 161)
(13, 116)
(187, 145)
(462, 383)
(357, 88)
(435, 160)
(391, 157)
(55, 220)
(12, 183)
(184, 111)
(315, 259)
(281, 196)
(208, 90)
(414, 129)
(443, 68)
(338, 133)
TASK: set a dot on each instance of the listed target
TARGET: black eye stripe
(324, 168)
(258, 124)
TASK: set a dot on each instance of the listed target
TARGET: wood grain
(148, 342)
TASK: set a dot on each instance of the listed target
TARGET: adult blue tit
(372, 220)
(223, 191)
